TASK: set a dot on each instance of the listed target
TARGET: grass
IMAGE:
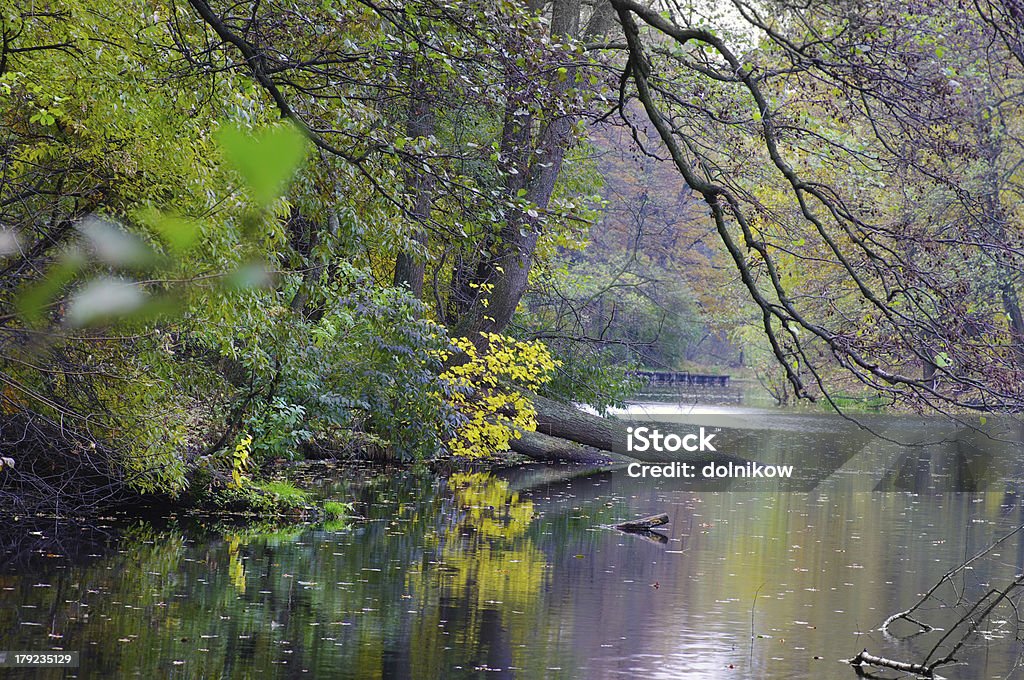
(260, 497)
(334, 510)
(285, 493)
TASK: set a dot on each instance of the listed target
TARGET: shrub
(486, 390)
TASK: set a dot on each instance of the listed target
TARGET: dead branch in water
(644, 523)
(882, 662)
(905, 615)
(974, 614)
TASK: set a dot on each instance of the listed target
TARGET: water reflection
(514, 574)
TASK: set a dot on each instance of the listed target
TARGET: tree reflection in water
(440, 578)
(512, 574)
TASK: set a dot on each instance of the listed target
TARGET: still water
(514, 573)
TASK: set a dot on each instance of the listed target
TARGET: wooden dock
(683, 378)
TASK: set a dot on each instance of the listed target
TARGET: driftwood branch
(644, 523)
(997, 598)
(966, 627)
(905, 615)
(865, 658)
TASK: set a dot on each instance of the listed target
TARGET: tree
(471, 211)
(482, 65)
(152, 238)
(811, 94)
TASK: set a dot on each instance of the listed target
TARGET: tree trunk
(410, 265)
(993, 222)
(602, 18)
(305, 238)
(536, 170)
(564, 422)
(542, 447)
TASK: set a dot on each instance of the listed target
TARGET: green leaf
(177, 232)
(33, 301)
(249, 275)
(266, 160)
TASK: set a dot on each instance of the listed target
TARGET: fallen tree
(542, 447)
(564, 421)
(567, 433)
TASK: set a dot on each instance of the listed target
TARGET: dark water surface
(514, 574)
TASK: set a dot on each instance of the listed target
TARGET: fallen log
(644, 523)
(544, 448)
(865, 658)
(566, 422)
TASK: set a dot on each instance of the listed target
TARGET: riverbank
(890, 450)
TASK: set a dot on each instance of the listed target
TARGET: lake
(514, 573)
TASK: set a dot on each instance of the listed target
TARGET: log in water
(644, 523)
